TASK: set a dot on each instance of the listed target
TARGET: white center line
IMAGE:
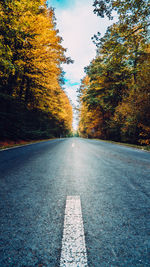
(73, 145)
(73, 252)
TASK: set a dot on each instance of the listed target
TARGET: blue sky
(61, 4)
(77, 24)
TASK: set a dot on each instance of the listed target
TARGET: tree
(31, 55)
(118, 84)
(91, 119)
(133, 113)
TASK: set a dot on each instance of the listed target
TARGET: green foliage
(129, 11)
(119, 85)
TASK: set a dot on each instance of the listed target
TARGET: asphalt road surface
(113, 183)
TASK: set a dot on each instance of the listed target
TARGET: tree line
(33, 103)
(114, 95)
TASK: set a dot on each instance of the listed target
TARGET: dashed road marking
(73, 252)
(73, 145)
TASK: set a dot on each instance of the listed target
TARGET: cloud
(77, 24)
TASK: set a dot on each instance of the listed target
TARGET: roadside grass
(146, 148)
(10, 144)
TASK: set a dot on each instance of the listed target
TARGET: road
(113, 183)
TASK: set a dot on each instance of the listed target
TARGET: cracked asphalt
(113, 183)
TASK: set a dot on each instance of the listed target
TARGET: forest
(114, 96)
(33, 103)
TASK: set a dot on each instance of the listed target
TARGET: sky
(77, 23)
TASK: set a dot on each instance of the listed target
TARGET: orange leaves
(46, 56)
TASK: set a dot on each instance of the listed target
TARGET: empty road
(111, 182)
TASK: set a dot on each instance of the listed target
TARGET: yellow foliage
(39, 58)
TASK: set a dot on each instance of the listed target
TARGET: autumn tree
(118, 82)
(132, 115)
(31, 55)
(91, 121)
